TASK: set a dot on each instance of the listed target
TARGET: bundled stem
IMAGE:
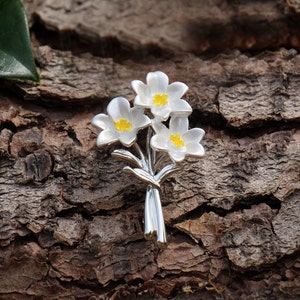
(145, 170)
(154, 220)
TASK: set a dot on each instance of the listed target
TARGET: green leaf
(16, 58)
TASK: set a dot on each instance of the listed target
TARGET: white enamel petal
(160, 141)
(177, 156)
(139, 87)
(176, 90)
(139, 119)
(180, 108)
(102, 121)
(172, 147)
(157, 125)
(179, 125)
(194, 135)
(118, 108)
(143, 93)
(107, 137)
(157, 82)
(127, 138)
(140, 102)
(195, 149)
(162, 112)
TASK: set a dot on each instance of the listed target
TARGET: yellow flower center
(123, 125)
(177, 140)
(160, 99)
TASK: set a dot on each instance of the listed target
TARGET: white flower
(122, 123)
(177, 140)
(162, 98)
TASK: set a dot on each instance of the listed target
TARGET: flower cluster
(164, 100)
(122, 123)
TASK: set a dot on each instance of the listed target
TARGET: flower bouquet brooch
(168, 132)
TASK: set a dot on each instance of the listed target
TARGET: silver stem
(150, 212)
(151, 157)
(161, 231)
(154, 220)
(142, 156)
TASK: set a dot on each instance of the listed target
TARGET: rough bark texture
(71, 222)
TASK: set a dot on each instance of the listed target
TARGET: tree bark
(71, 222)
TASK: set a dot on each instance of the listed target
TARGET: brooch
(159, 107)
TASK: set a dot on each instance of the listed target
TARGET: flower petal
(179, 125)
(141, 102)
(140, 87)
(157, 82)
(118, 108)
(194, 135)
(159, 141)
(102, 121)
(162, 112)
(176, 90)
(139, 119)
(143, 93)
(128, 138)
(107, 137)
(158, 126)
(180, 108)
(177, 156)
(195, 149)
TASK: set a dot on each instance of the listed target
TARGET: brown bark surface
(71, 223)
